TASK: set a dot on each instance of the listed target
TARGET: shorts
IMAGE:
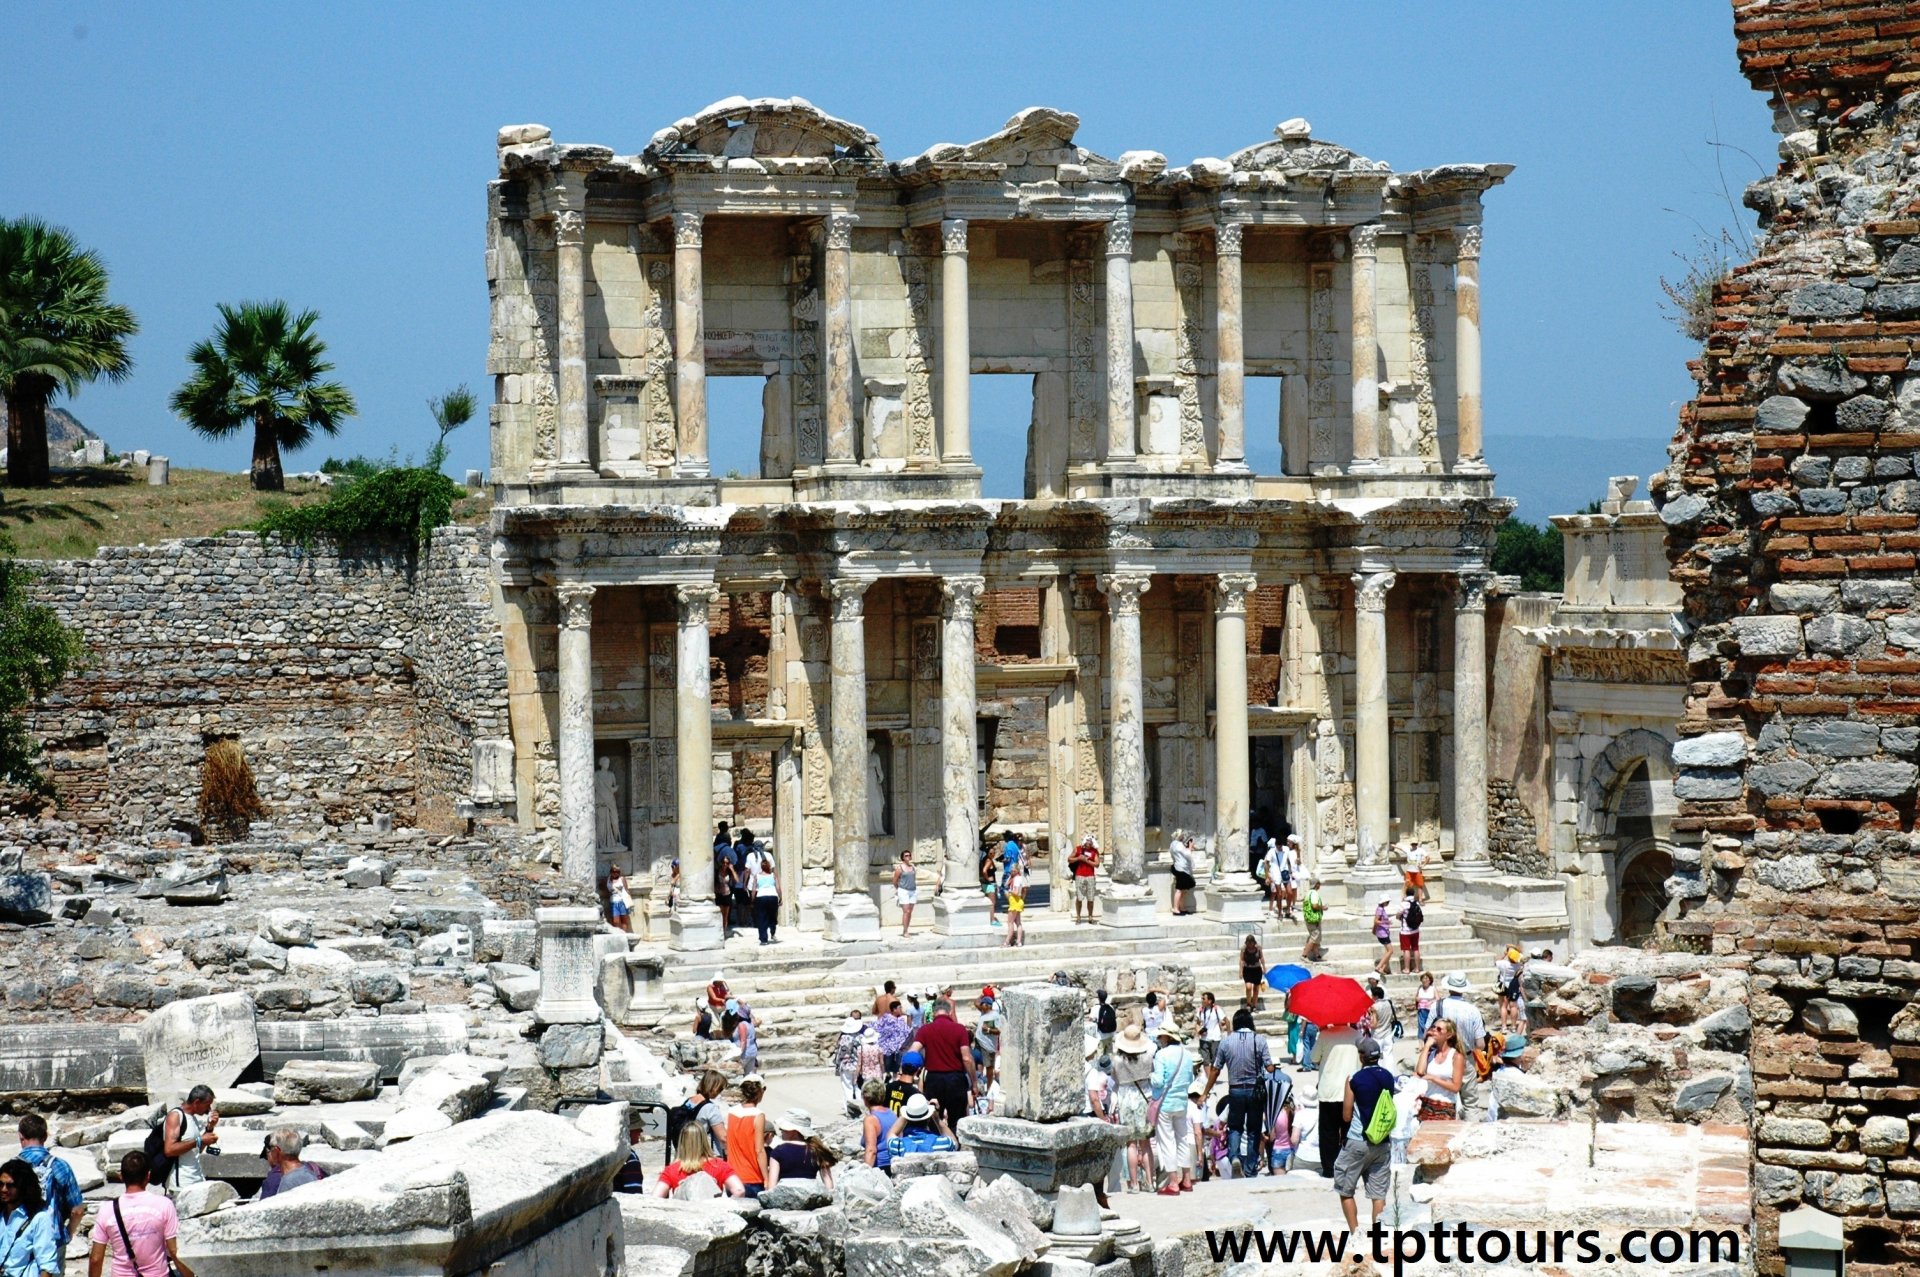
(1183, 880)
(1083, 890)
(1360, 1161)
(1286, 877)
(1313, 933)
(618, 910)
(1016, 904)
(988, 889)
(1386, 941)
(905, 897)
(1279, 1159)
(1416, 878)
(1409, 942)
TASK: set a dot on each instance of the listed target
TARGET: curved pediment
(1294, 149)
(742, 128)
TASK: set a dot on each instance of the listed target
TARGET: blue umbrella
(1284, 977)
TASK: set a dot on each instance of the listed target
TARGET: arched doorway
(1642, 893)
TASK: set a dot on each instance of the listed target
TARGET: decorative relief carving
(569, 227)
(1189, 645)
(687, 230)
(1084, 396)
(840, 231)
(926, 658)
(849, 597)
(658, 321)
(1227, 238)
(1466, 243)
(1470, 591)
(1189, 287)
(1620, 665)
(1366, 239)
(576, 604)
(921, 441)
(1420, 342)
(809, 437)
(1123, 591)
(1119, 239)
(1370, 590)
(953, 236)
(1323, 352)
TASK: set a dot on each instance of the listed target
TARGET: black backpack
(677, 1118)
(1108, 1021)
(159, 1165)
(1415, 915)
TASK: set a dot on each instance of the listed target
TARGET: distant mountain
(1559, 474)
(65, 431)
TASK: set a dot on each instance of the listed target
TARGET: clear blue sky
(337, 156)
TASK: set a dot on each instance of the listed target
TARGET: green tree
(263, 366)
(36, 652)
(58, 331)
(450, 411)
(1531, 553)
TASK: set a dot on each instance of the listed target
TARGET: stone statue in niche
(879, 787)
(606, 807)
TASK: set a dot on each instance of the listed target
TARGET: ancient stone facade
(1791, 504)
(355, 683)
(1079, 662)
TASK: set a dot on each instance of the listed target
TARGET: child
(1407, 1090)
(1017, 906)
(1283, 1137)
(1424, 1003)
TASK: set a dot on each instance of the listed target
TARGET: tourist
(990, 883)
(1443, 1065)
(139, 1229)
(1013, 854)
(1313, 910)
(766, 896)
(1084, 861)
(893, 1032)
(873, 1061)
(702, 1108)
(746, 1039)
(1212, 1028)
(673, 886)
(916, 1013)
(723, 879)
(950, 1080)
(1383, 1019)
(906, 890)
(1383, 934)
(1469, 1032)
(905, 1082)
(1509, 971)
(920, 1128)
(1154, 1012)
(887, 996)
(632, 1175)
(619, 902)
(1244, 1059)
(717, 992)
(799, 1153)
(695, 1156)
(1172, 1132)
(876, 1126)
(846, 1061)
(1289, 874)
(189, 1131)
(1423, 1003)
(1258, 844)
(1253, 970)
(986, 1041)
(1210, 1157)
(1412, 914)
(1106, 1022)
(1180, 853)
(1132, 1095)
(57, 1181)
(1406, 1105)
(1017, 905)
(1283, 1127)
(703, 1026)
(1415, 874)
(1336, 1053)
(286, 1171)
(1362, 1160)
(28, 1225)
(1099, 1086)
(1271, 871)
(745, 854)
(722, 839)
(747, 1136)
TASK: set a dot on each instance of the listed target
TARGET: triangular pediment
(743, 128)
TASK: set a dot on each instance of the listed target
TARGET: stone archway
(1609, 774)
(1625, 811)
(1640, 898)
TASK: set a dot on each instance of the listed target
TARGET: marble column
(959, 908)
(956, 347)
(696, 923)
(1471, 448)
(1121, 429)
(570, 272)
(1230, 389)
(689, 350)
(575, 746)
(837, 339)
(851, 914)
(1470, 720)
(1366, 349)
(1373, 777)
(1126, 901)
(1232, 784)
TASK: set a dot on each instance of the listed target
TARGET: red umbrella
(1329, 1001)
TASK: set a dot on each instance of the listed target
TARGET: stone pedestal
(1235, 899)
(633, 986)
(961, 913)
(1043, 1072)
(851, 916)
(1125, 905)
(1045, 1156)
(813, 907)
(569, 970)
(696, 925)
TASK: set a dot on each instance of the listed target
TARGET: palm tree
(263, 366)
(58, 331)
(450, 411)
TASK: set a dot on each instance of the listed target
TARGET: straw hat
(1168, 1029)
(1457, 982)
(1131, 1041)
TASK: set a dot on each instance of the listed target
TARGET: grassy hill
(91, 507)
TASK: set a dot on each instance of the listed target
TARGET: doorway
(1643, 893)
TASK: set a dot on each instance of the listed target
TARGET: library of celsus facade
(852, 650)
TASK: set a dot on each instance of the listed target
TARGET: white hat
(850, 1025)
(797, 1120)
(1386, 900)
(917, 1108)
(1457, 982)
(717, 978)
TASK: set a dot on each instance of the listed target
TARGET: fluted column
(1231, 783)
(956, 347)
(837, 321)
(570, 271)
(851, 914)
(1466, 350)
(1470, 719)
(696, 924)
(1121, 430)
(1366, 348)
(1372, 777)
(575, 746)
(689, 348)
(960, 908)
(1230, 391)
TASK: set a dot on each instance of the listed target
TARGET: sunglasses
(9, 1185)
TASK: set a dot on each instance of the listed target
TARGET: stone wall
(1513, 844)
(1793, 518)
(355, 682)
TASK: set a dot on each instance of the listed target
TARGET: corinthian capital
(695, 601)
(686, 229)
(1227, 238)
(1123, 591)
(849, 597)
(1470, 591)
(576, 604)
(1370, 590)
(953, 236)
(1120, 237)
(1366, 240)
(962, 592)
(1466, 243)
(1231, 590)
(840, 231)
(569, 226)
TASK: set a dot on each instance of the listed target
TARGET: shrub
(386, 505)
(228, 799)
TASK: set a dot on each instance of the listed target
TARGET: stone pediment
(1294, 149)
(763, 128)
(1038, 137)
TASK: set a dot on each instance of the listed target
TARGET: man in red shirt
(1083, 860)
(950, 1080)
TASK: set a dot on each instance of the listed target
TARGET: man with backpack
(1411, 916)
(1106, 1022)
(1313, 910)
(1367, 1155)
(174, 1145)
(58, 1188)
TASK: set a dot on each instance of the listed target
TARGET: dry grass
(88, 508)
(228, 799)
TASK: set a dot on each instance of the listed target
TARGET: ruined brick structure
(1793, 513)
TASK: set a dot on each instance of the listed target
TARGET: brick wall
(1842, 51)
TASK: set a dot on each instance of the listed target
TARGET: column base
(961, 913)
(1128, 905)
(692, 470)
(695, 926)
(1366, 465)
(1235, 899)
(851, 916)
(813, 907)
(1472, 465)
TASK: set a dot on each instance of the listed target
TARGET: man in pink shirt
(141, 1220)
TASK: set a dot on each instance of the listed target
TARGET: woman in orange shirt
(747, 1137)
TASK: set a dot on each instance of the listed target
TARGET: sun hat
(1457, 982)
(797, 1120)
(917, 1108)
(717, 978)
(733, 1004)
(1168, 1029)
(1131, 1041)
(850, 1025)
(1513, 953)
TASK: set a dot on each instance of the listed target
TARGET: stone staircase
(802, 988)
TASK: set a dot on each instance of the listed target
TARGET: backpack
(1385, 1117)
(43, 1171)
(1108, 1020)
(1415, 915)
(921, 1141)
(1312, 909)
(159, 1165)
(1488, 1056)
(677, 1118)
